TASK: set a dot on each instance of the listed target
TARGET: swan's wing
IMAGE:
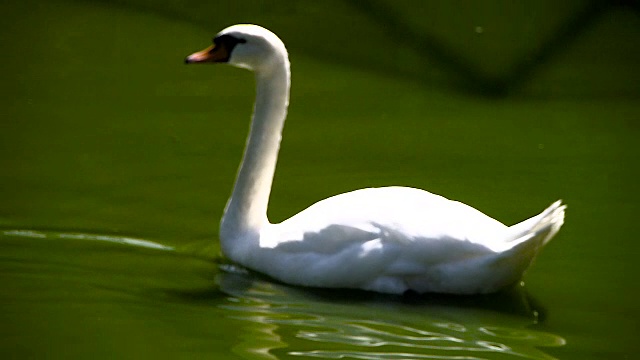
(375, 239)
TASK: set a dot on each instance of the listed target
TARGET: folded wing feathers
(549, 221)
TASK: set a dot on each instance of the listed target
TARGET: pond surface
(117, 160)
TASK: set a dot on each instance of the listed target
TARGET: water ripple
(34, 234)
(275, 321)
(378, 355)
(378, 329)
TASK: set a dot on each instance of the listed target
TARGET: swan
(389, 239)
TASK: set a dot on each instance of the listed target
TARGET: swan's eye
(229, 41)
(219, 52)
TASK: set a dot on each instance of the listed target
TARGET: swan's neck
(246, 211)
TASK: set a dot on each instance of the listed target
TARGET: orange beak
(214, 53)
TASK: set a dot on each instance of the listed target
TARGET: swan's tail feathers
(523, 243)
(543, 226)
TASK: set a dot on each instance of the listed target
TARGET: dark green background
(106, 137)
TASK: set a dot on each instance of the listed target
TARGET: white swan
(389, 239)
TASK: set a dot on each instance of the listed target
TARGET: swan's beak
(214, 53)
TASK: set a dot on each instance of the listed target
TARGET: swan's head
(247, 46)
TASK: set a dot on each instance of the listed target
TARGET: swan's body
(389, 239)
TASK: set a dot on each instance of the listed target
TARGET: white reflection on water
(294, 322)
(82, 236)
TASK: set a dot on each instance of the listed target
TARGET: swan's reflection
(286, 321)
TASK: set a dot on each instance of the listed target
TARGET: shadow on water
(156, 288)
(471, 78)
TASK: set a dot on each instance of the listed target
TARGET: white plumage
(389, 239)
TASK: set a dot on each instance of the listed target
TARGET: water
(81, 295)
(117, 161)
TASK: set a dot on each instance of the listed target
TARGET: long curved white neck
(246, 211)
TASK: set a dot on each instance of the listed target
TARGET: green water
(116, 161)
